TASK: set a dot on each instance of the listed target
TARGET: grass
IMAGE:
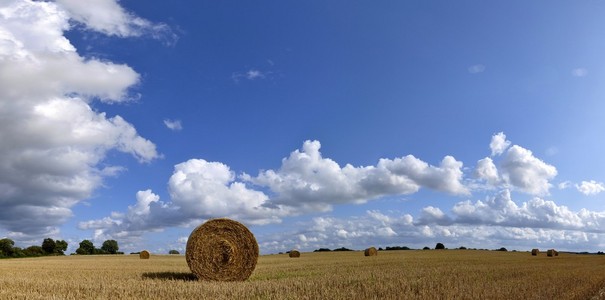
(449, 274)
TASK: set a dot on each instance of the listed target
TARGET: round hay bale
(535, 252)
(294, 253)
(144, 254)
(550, 252)
(222, 250)
(556, 252)
(370, 252)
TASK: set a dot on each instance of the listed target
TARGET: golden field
(416, 274)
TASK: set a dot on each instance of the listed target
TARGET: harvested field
(466, 274)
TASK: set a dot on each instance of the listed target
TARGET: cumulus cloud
(486, 170)
(590, 187)
(306, 182)
(518, 168)
(501, 210)
(174, 125)
(311, 182)
(527, 172)
(499, 144)
(492, 223)
(54, 144)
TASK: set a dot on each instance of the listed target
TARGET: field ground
(428, 274)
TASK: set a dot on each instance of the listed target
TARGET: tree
(6, 247)
(439, 246)
(49, 245)
(86, 247)
(33, 251)
(173, 252)
(60, 247)
(110, 246)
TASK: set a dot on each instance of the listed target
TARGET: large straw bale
(222, 250)
(144, 254)
(551, 252)
(294, 253)
(370, 252)
(535, 252)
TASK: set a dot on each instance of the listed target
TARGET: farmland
(447, 274)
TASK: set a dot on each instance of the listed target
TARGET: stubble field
(446, 274)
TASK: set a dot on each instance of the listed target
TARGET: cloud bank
(306, 183)
(54, 144)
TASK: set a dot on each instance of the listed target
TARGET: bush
(439, 246)
(173, 252)
(322, 250)
(342, 249)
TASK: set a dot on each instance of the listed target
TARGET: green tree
(439, 246)
(49, 245)
(33, 251)
(6, 247)
(110, 246)
(60, 247)
(173, 252)
(86, 247)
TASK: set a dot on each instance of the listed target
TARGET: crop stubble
(336, 275)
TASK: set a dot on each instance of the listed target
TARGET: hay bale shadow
(184, 276)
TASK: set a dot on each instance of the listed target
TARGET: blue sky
(321, 124)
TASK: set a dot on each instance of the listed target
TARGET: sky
(317, 124)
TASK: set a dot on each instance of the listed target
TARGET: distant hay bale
(294, 253)
(556, 252)
(370, 252)
(144, 254)
(535, 252)
(222, 250)
(551, 252)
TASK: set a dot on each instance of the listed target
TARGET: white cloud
(564, 185)
(174, 125)
(312, 183)
(499, 144)
(491, 224)
(108, 17)
(526, 172)
(53, 143)
(579, 72)
(486, 170)
(518, 168)
(501, 210)
(305, 182)
(590, 187)
(251, 74)
(433, 215)
(474, 69)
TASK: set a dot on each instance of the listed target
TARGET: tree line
(55, 247)
(48, 247)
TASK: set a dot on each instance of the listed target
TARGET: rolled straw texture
(144, 254)
(535, 252)
(294, 253)
(370, 252)
(222, 250)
